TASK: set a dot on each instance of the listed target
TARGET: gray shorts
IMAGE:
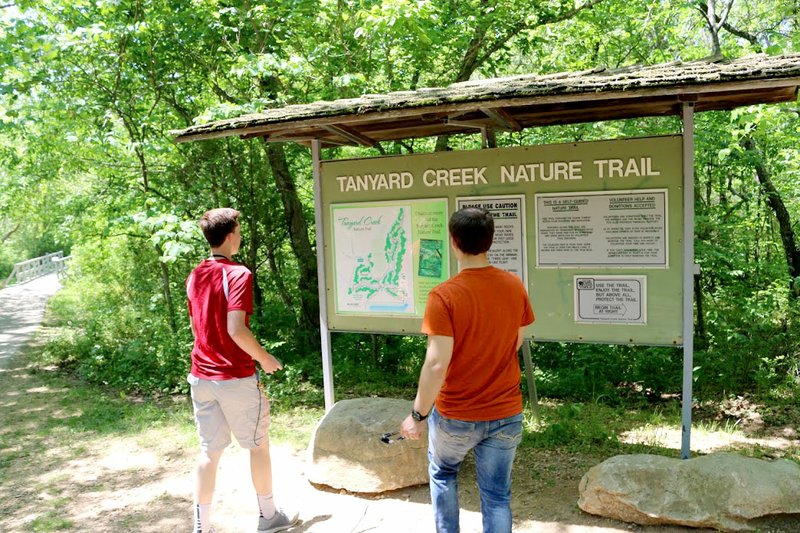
(222, 407)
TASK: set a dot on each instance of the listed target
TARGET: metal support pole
(533, 396)
(687, 112)
(324, 333)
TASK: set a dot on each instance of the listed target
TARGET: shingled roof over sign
(518, 102)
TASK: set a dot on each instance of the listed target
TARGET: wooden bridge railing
(38, 267)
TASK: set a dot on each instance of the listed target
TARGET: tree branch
(10, 233)
(714, 22)
(569, 14)
(724, 17)
(473, 60)
(219, 91)
(752, 39)
(522, 26)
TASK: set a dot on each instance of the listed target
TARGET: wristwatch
(417, 416)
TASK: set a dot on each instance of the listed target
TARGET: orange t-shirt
(482, 309)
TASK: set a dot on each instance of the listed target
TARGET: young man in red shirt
(224, 380)
(469, 384)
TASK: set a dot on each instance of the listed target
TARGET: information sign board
(509, 244)
(611, 299)
(620, 228)
(563, 212)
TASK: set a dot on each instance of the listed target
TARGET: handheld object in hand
(386, 438)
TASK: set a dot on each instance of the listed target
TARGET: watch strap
(416, 415)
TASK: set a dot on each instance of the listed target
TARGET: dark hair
(218, 223)
(472, 229)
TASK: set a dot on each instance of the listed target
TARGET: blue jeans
(495, 443)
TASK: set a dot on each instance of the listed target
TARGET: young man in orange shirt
(469, 384)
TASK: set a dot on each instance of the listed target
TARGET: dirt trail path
(21, 312)
(60, 473)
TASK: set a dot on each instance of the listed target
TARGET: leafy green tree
(90, 89)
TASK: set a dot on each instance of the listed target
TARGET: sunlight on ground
(91, 467)
(706, 441)
(117, 474)
(46, 389)
(559, 527)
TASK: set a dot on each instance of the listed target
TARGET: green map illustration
(430, 258)
(374, 267)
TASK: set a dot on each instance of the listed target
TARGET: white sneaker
(279, 522)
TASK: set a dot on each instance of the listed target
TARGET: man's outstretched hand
(269, 363)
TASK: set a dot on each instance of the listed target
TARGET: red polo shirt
(215, 355)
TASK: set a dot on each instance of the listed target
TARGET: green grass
(716, 426)
(50, 521)
(85, 411)
(595, 428)
(295, 426)
(53, 407)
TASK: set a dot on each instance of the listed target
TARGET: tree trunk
(298, 236)
(715, 23)
(701, 322)
(391, 359)
(711, 17)
(778, 207)
(258, 294)
(277, 275)
(173, 325)
(482, 47)
(254, 171)
(376, 349)
(469, 63)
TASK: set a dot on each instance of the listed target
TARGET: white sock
(266, 505)
(202, 518)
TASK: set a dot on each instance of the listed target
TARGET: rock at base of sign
(721, 490)
(346, 451)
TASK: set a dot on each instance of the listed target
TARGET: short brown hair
(218, 223)
(472, 228)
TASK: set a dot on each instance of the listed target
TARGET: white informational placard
(610, 299)
(609, 229)
(508, 251)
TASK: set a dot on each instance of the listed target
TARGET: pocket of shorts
(245, 384)
(192, 380)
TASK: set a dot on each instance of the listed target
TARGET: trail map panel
(388, 255)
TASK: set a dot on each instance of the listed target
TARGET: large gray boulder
(346, 451)
(720, 491)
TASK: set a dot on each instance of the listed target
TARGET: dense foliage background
(89, 90)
